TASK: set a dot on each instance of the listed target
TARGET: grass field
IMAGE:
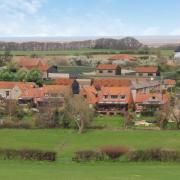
(69, 52)
(12, 170)
(167, 53)
(84, 52)
(66, 142)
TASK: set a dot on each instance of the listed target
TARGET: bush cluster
(110, 152)
(154, 155)
(15, 125)
(28, 154)
(88, 155)
(114, 152)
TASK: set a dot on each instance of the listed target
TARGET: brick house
(151, 102)
(12, 90)
(108, 70)
(145, 71)
(122, 59)
(44, 95)
(169, 83)
(112, 100)
(37, 63)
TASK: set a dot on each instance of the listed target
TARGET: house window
(140, 74)
(110, 71)
(122, 97)
(150, 74)
(105, 96)
(7, 93)
(114, 97)
(46, 95)
(100, 71)
(153, 97)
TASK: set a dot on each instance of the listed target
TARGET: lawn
(108, 122)
(66, 142)
(167, 52)
(84, 52)
(68, 52)
(12, 170)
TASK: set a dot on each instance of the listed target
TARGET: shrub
(15, 125)
(28, 154)
(154, 155)
(114, 152)
(88, 155)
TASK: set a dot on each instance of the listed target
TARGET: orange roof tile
(117, 91)
(142, 97)
(40, 93)
(54, 89)
(146, 69)
(29, 62)
(33, 63)
(90, 93)
(63, 81)
(107, 67)
(169, 82)
(11, 85)
(110, 82)
(122, 57)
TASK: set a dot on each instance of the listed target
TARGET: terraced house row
(108, 95)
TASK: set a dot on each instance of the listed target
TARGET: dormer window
(122, 96)
(7, 93)
(153, 97)
(114, 96)
(46, 95)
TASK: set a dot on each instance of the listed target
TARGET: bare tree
(79, 111)
(175, 113)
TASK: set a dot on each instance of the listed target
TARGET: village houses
(146, 71)
(108, 70)
(28, 63)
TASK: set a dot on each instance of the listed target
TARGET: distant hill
(128, 43)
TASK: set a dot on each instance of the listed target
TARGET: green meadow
(66, 142)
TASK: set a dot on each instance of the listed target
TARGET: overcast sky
(89, 17)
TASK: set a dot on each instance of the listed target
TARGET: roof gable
(146, 69)
(107, 67)
(122, 57)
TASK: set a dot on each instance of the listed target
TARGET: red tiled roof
(107, 67)
(148, 69)
(33, 63)
(43, 67)
(11, 85)
(29, 62)
(110, 82)
(118, 91)
(90, 93)
(54, 89)
(169, 82)
(142, 97)
(40, 93)
(122, 57)
(63, 81)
